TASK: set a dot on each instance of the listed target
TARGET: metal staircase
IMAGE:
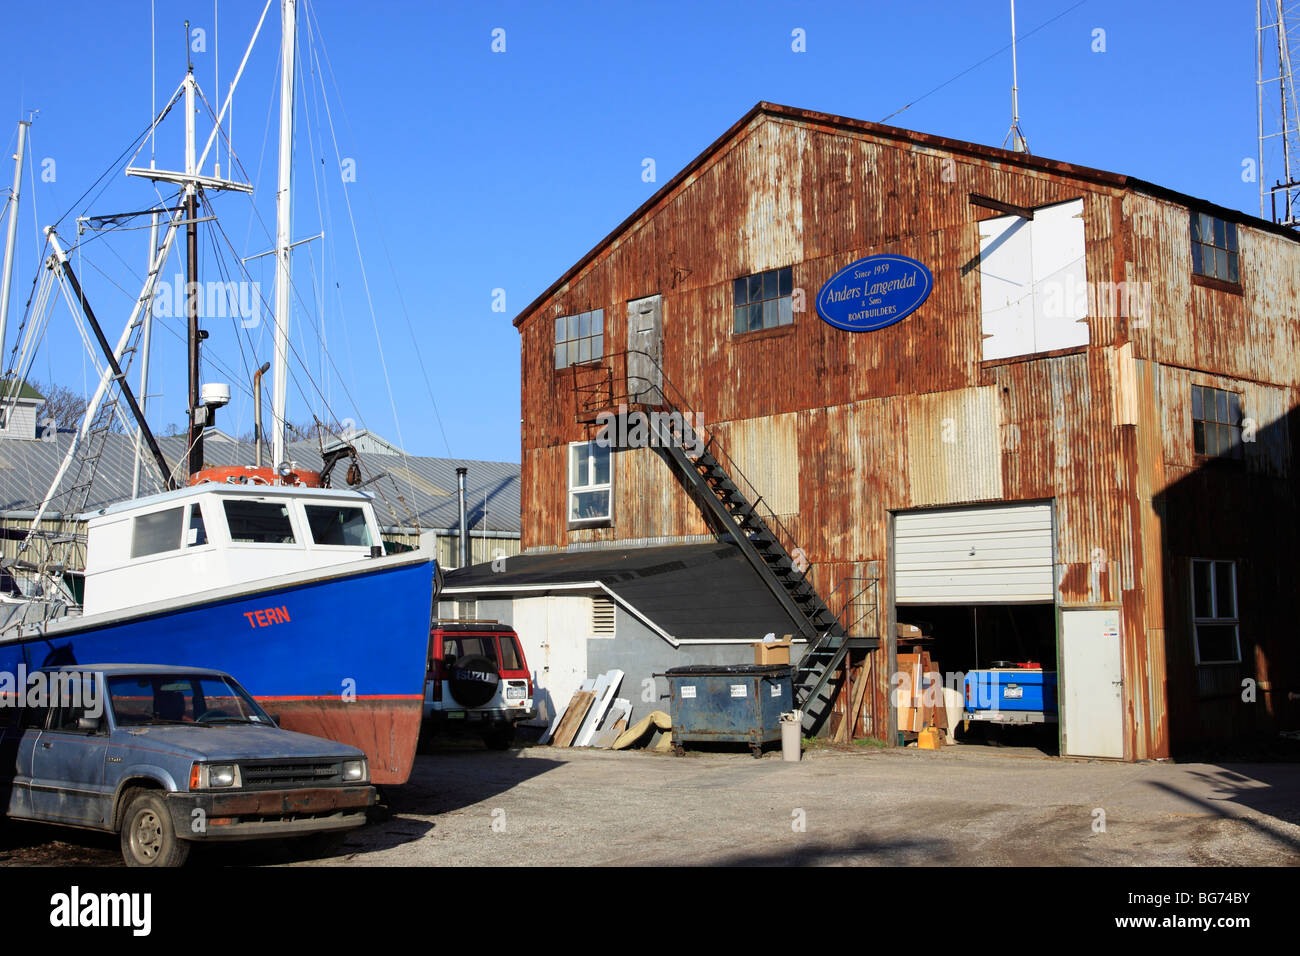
(736, 510)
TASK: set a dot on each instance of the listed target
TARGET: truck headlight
(354, 771)
(215, 776)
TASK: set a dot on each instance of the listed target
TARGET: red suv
(478, 681)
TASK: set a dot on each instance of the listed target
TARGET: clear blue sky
(478, 170)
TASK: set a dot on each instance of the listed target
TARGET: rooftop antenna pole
(10, 236)
(283, 225)
(1014, 135)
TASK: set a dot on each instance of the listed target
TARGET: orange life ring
(252, 475)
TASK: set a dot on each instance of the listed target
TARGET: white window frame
(590, 486)
(1215, 619)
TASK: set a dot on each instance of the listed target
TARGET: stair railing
(598, 393)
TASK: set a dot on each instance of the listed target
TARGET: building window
(3, 419)
(764, 301)
(579, 338)
(1216, 422)
(1214, 612)
(1214, 248)
(590, 490)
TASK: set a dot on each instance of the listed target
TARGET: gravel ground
(964, 805)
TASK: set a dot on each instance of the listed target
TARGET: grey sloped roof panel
(692, 591)
(425, 487)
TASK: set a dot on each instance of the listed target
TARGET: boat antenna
(1014, 135)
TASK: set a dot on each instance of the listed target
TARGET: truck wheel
(148, 838)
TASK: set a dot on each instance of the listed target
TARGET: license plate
(1013, 693)
(515, 693)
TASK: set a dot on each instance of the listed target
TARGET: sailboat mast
(283, 225)
(9, 236)
(198, 419)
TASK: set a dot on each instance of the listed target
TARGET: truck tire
(148, 838)
(474, 681)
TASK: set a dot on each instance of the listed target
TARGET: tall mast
(283, 225)
(144, 361)
(193, 295)
(10, 234)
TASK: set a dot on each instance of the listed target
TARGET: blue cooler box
(1013, 695)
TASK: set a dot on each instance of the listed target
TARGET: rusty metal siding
(953, 441)
(1251, 335)
(1266, 444)
(767, 453)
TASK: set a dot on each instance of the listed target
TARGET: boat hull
(341, 655)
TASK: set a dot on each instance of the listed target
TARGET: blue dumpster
(738, 703)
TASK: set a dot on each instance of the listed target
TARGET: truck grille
(303, 773)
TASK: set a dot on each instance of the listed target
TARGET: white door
(1092, 691)
(554, 632)
(1000, 554)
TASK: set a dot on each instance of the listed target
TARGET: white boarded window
(602, 616)
(1033, 282)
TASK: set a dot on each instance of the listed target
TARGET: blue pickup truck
(167, 757)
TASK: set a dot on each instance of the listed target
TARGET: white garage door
(999, 554)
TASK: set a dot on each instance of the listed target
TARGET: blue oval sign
(874, 292)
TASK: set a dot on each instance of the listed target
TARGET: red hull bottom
(387, 729)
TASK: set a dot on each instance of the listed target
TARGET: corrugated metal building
(1077, 447)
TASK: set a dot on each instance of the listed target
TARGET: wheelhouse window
(258, 522)
(579, 338)
(338, 526)
(157, 532)
(1214, 248)
(764, 300)
(1214, 612)
(197, 535)
(1216, 422)
(590, 490)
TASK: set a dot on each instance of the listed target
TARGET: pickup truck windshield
(180, 699)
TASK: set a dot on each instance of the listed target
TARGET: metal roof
(423, 486)
(692, 591)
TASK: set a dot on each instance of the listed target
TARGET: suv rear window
(511, 659)
(462, 645)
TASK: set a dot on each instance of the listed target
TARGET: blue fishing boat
(267, 573)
